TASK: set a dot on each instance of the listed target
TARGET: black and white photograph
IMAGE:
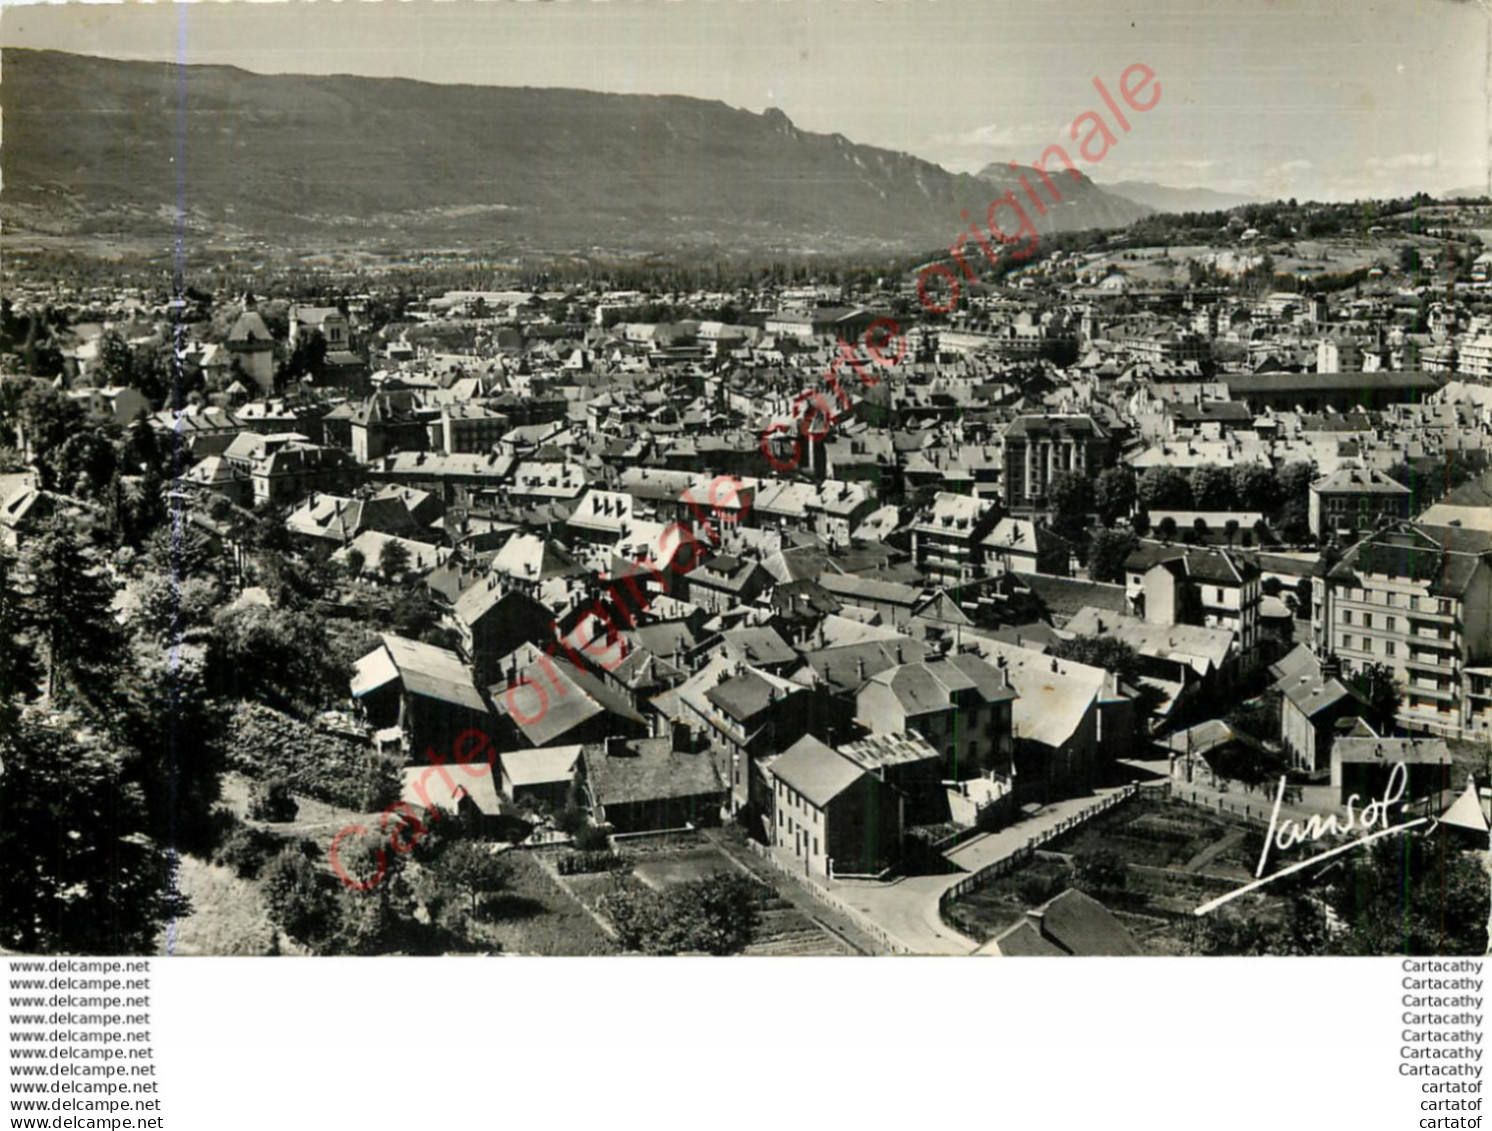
(801, 479)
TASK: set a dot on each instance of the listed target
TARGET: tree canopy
(82, 875)
(1107, 652)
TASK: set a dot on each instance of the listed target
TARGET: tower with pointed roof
(252, 345)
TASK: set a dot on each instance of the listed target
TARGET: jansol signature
(1285, 834)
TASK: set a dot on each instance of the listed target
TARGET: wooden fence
(1253, 808)
(1007, 864)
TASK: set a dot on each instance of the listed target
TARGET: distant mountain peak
(1165, 198)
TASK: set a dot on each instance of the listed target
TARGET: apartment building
(1211, 588)
(946, 538)
(1353, 500)
(1419, 599)
(1038, 448)
(470, 428)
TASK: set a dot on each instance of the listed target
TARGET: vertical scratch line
(178, 287)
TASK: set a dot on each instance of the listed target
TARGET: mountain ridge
(1169, 198)
(94, 141)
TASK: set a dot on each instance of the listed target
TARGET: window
(815, 846)
(1347, 640)
(1390, 625)
(1367, 620)
(1346, 616)
(1388, 648)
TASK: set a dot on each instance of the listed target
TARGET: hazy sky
(1307, 98)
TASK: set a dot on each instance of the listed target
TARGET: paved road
(907, 908)
(1253, 805)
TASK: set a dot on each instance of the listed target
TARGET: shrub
(582, 863)
(297, 898)
(247, 850)
(571, 820)
(588, 838)
(270, 800)
(715, 915)
(1100, 870)
(1035, 888)
(375, 782)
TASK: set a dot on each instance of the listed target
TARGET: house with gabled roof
(425, 691)
(1314, 707)
(328, 321)
(759, 646)
(723, 582)
(1068, 720)
(645, 785)
(960, 704)
(548, 701)
(742, 713)
(896, 602)
(1070, 925)
(1214, 588)
(541, 776)
(338, 519)
(493, 618)
(1020, 545)
(831, 813)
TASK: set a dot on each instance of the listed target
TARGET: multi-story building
(1338, 355)
(1419, 600)
(1038, 448)
(1474, 358)
(1353, 500)
(470, 428)
(389, 422)
(288, 473)
(960, 705)
(1166, 347)
(327, 321)
(1211, 588)
(946, 538)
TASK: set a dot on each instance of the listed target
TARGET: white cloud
(968, 151)
(1385, 165)
(996, 136)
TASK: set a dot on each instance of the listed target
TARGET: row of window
(1352, 643)
(1441, 605)
(1390, 624)
(792, 830)
(1349, 642)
